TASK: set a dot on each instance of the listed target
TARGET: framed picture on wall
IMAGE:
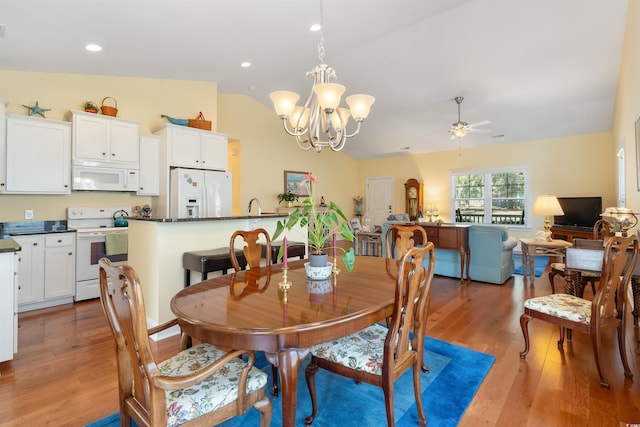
(293, 183)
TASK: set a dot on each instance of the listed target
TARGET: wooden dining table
(251, 310)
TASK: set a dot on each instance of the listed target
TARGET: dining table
(257, 310)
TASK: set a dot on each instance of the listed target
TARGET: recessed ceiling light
(315, 27)
(245, 64)
(91, 47)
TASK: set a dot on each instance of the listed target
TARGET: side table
(533, 247)
(368, 243)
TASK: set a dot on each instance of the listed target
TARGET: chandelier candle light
(547, 205)
(320, 122)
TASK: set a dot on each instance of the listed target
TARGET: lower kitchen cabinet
(8, 312)
(46, 270)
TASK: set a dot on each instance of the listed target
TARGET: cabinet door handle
(59, 240)
(197, 161)
(113, 154)
(70, 253)
(19, 287)
(104, 154)
(35, 243)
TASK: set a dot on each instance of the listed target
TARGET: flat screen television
(579, 211)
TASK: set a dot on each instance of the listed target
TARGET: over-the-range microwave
(104, 179)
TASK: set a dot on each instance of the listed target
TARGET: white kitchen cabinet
(8, 306)
(3, 144)
(38, 155)
(47, 270)
(193, 148)
(149, 178)
(104, 139)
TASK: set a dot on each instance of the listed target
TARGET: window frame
(488, 198)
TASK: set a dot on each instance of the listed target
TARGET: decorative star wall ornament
(36, 110)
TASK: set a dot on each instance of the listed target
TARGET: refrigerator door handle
(204, 209)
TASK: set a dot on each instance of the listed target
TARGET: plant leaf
(349, 259)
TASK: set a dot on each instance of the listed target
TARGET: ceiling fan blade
(480, 130)
(473, 125)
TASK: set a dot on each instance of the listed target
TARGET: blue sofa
(491, 251)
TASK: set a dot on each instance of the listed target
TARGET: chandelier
(321, 122)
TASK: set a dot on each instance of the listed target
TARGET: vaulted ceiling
(535, 69)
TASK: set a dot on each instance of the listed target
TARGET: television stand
(570, 233)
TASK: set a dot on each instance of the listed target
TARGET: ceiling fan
(460, 128)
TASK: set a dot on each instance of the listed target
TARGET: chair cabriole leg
(524, 322)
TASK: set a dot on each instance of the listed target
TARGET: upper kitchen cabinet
(193, 148)
(104, 139)
(38, 155)
(149, 166)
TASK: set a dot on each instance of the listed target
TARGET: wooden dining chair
(253, 254)
(252, 249)
(605, 311)
(400, 238)
(201, 385)
(401, 343)
(601, 230)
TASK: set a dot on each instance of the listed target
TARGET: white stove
(93, 227)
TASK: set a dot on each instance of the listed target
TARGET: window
(497, 196)
(622, 188)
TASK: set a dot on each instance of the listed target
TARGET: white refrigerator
(197, 193)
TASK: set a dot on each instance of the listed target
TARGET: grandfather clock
(413, 198)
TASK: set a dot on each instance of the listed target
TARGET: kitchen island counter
(9, 245)
(222, 218)
(156, 247)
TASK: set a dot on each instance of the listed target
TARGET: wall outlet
(28, 214)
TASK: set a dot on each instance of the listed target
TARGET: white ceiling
(535, 68)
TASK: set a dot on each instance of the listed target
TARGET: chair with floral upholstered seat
(201, 386)
(378, 355)
(605, 311)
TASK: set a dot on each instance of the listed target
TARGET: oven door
(90, 247)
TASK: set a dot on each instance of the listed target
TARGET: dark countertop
(9, 245)
(224, 218)
(23, 228)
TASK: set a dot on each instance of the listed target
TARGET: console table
(451, 237)
(569, 234)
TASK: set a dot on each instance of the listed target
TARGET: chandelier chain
(321, 42)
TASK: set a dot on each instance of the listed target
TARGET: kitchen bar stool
(208, 261)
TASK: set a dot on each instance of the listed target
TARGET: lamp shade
(284, 102)
(547, 205)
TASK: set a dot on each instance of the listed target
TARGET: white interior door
(379, 198)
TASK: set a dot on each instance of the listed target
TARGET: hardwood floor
(65, 373)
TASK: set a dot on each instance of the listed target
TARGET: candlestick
(284, 257)
(334, 245)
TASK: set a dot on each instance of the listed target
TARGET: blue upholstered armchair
(491, 253)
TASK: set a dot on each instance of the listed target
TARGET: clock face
(413, 193)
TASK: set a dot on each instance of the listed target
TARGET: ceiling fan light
(329, 94)
(360, 105)
(459, 132)
(284, 102)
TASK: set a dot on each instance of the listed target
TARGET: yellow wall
(574, 166)
(627, 107)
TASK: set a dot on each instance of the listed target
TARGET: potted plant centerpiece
(288, 198)
(322, 225)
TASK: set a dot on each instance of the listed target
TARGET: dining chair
(601, 230)
(253, 254)
(201, 385)
(605, 311)
(378, 355)
(252, 249)
(399, 238)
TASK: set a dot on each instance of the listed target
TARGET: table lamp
(547, 205)
(620, 219)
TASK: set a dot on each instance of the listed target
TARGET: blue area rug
(540, 263)
(456, 373)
